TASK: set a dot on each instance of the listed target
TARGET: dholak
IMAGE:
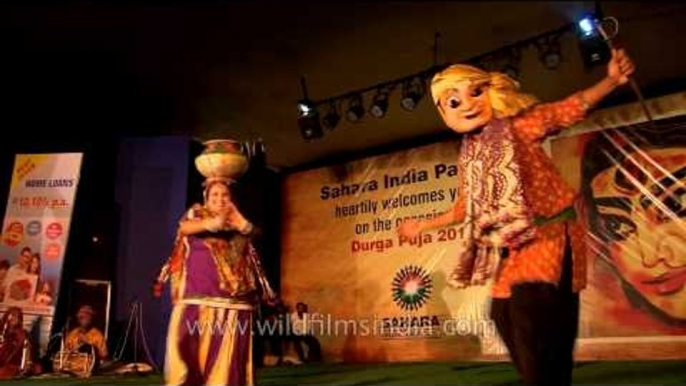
(76, 363)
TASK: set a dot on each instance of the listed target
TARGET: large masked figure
(518, 215)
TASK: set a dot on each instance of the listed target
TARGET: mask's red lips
(669, 282)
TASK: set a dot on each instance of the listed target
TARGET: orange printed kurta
(547, 194)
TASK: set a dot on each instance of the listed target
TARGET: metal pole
(632, 81)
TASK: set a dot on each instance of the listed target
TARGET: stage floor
(599, 373)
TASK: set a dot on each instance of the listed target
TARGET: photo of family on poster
(21, 282)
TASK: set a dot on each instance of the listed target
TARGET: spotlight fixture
(355, 109)
(309, 124)
(549, 51)
(308, 116)
(305, 108)
(594, 49)
(413, 91)
(308, 120)
(587, 26)
(551, 59)
(380, 104)
(593, 42)
(331, 118)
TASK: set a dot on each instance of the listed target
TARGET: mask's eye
(477, 91)
(453, 102)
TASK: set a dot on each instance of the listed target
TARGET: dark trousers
(539, 325)
(314, 353)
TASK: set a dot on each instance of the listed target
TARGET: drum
(80, 364)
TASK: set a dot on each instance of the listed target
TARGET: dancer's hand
(215, 224)
(235, 219)
(620, 66)
(410, 229)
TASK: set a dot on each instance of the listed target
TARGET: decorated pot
(223, 159)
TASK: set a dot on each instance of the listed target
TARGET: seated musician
(86, 338)
(15, 348)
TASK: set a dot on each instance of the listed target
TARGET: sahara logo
(411, 287)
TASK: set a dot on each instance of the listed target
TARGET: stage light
(380, 104)
(413, 91)
(549, 52)
(551, 60)
(331, 118)
(355, 109)
(308, 121)
(311, 131)
(587, 26)
(305, 108)
(593, 47)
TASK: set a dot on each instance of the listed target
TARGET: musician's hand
(620, 66)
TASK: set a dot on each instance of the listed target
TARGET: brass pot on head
(222, 160)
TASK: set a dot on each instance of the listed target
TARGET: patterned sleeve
(547, 118)
(459, 211)
(175, 260)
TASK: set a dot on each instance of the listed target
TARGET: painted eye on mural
(675, 204)
(617, 228)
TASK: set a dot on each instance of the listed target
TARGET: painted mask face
(641, 220)
(466, 106)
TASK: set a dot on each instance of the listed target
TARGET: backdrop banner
(374, 296)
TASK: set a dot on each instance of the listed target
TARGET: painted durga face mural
(635, 186)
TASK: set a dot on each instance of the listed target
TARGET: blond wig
(503, 91)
